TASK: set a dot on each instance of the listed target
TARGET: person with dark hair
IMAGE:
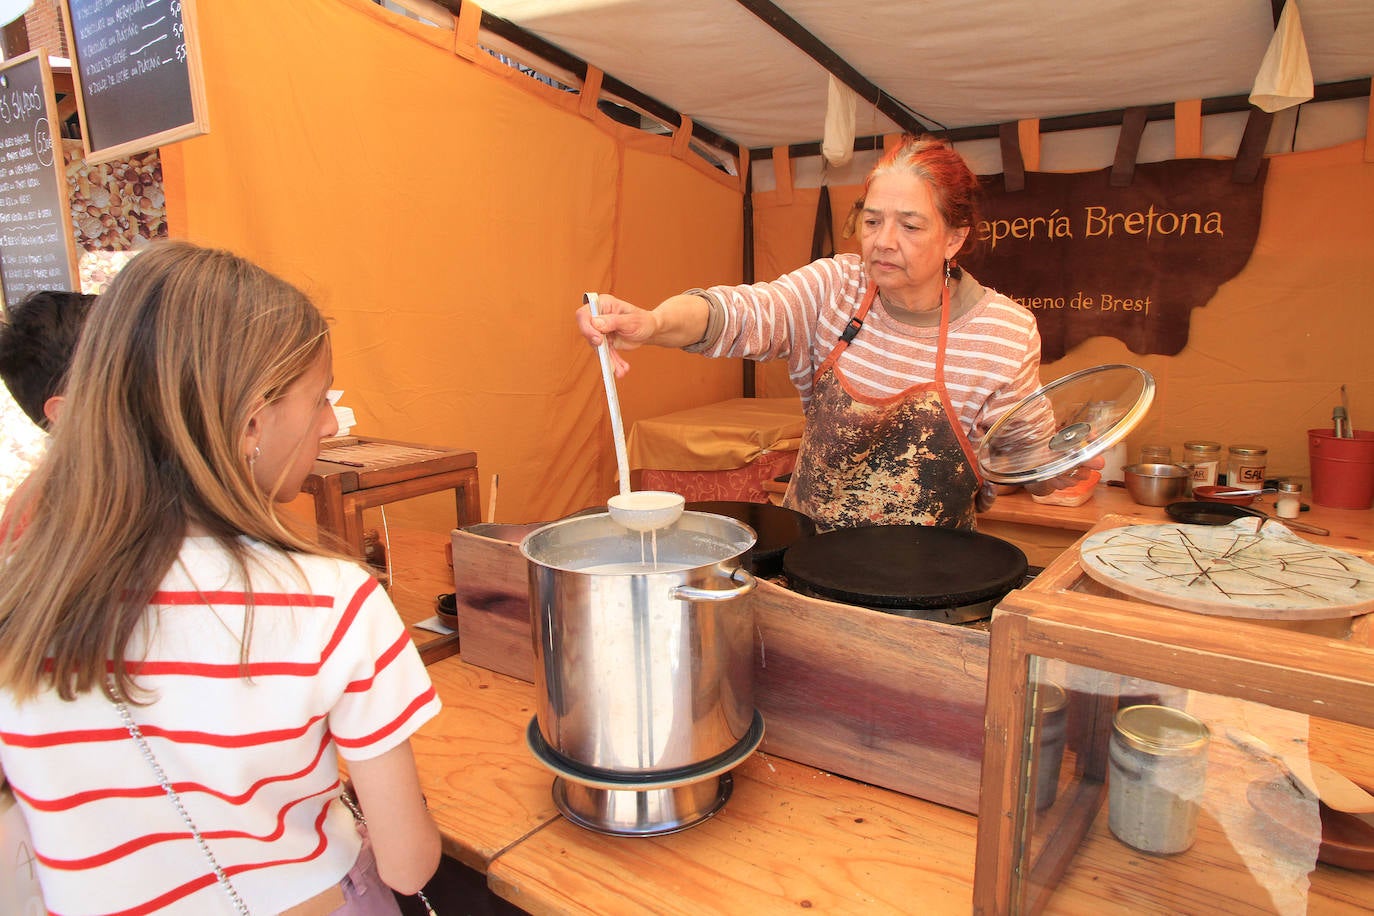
(180, 671)
(903, 360)
(37, 340)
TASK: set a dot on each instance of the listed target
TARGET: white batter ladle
(643, 510)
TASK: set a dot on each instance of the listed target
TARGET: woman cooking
(902, 359)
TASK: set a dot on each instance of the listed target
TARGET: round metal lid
(1054, 430)
(905, 566)
(1161, 731)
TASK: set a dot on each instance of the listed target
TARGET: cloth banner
(1091, 260)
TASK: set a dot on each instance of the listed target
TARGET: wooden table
(419, 575)
(1043, 532)
(790, 837)
(484, 786)
(354, 473)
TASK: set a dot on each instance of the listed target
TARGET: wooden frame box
(1065, 576)
(1313, 692)
(889, 700)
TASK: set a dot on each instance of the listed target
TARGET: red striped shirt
(255, 759)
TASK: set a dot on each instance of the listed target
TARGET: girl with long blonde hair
(179, 671)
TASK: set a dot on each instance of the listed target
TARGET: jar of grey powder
(1157, 770)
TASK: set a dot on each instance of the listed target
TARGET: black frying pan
(777, 529)
(1205, 513)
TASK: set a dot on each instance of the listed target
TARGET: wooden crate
(1065, 577)
(889, 700)
(1065, 858)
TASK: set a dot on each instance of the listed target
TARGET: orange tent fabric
(448, 214)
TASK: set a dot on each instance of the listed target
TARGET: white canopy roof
(956, 63)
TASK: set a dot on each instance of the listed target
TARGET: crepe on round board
(1249, 568)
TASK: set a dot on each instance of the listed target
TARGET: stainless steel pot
(641, 670)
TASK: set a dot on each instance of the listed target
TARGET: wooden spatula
(1337, 791)
(1316, 778)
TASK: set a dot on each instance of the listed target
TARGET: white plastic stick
(608, 378)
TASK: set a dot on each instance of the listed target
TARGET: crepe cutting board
(1250, 568)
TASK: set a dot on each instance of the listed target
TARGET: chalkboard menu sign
(136, 65)
(36, 246)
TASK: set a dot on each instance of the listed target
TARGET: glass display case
(1146, 759)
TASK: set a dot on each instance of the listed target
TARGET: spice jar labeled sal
(1157, 765)
(1245, 466)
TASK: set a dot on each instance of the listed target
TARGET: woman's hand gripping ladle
(643, 510)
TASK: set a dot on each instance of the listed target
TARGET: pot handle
(740, 575)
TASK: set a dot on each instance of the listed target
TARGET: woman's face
(905, 241)
(289, 429)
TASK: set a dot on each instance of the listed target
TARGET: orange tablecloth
(716, 437)
(721, 451)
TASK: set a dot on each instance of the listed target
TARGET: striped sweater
(992, 359)
(333, 673)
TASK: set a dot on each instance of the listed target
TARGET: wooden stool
(353, 474)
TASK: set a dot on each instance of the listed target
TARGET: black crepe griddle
(777, 529)
(903, 567)
(1198, 512)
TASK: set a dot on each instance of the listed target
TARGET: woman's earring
(257, 453)
(948, 272)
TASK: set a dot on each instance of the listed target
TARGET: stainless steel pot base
(595, 777)
(641, 812)
(642, 804)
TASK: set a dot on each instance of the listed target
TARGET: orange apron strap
(944, 392)
(856, 322)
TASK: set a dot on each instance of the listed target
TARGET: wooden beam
(837, 66)
(555, 55)
(1327, 92)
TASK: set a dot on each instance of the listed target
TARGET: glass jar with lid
(1155, 453)
(1202, 458)
(1289, 502)
(1245, 466)
(1158, 766)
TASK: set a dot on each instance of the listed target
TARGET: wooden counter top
(1044, 532)
(791, 838)
(484, 786)
(419, 574)
(1347, 526)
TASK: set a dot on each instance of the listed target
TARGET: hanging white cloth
(1285, 74)
(838, 144)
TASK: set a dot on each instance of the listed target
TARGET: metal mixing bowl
(1156, 484)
